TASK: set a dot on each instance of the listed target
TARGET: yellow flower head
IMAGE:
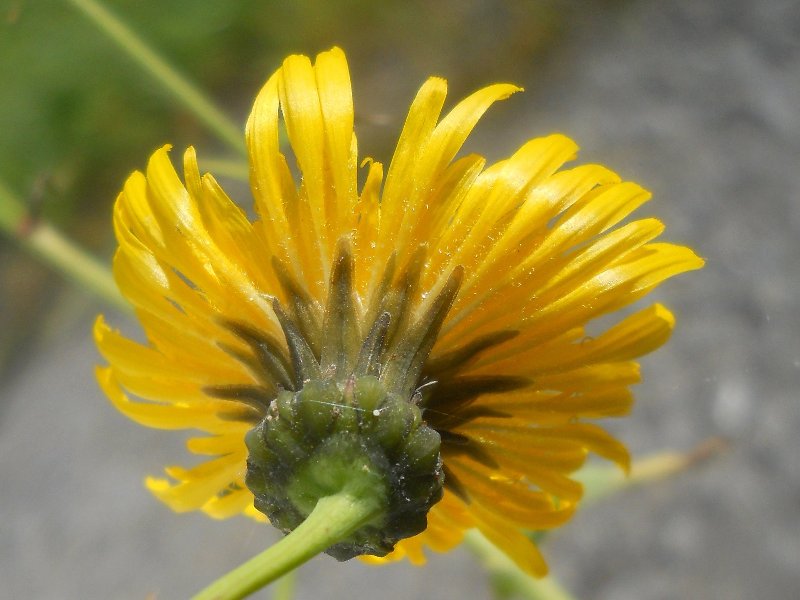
(461, 288)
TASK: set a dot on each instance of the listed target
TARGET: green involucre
(355, 437)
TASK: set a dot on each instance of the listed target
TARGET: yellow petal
(336, 101)
(440, 149)
(229, 505)
(197, 486)
(216, 445)
(510, 540)
(270, 179)
(419, 125)
(304, 125)
(160, 416)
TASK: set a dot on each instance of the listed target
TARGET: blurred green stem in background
(235, 169)
(189, 95)
(601, 481)
(56, 250)
(508, 581)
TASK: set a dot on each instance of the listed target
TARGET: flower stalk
(284, 588)
(334, 518)
(188, 94)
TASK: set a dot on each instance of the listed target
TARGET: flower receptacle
(354, 437)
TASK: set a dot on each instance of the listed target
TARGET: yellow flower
(519, 255)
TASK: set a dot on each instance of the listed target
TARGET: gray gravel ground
(698, 100)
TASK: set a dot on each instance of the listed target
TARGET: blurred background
(695, 99)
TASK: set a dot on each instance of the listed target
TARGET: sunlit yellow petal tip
(157, 486)
(98, 328)
(467, 289)
(663, 314)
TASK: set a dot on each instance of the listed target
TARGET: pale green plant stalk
(508, 577)
(333, 519)
(184, 91)
(56, 250)
(285, 586)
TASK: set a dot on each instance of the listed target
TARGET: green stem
(56, 250)
(333, 519)
(285, 586)
(169, 77)
(507, 576)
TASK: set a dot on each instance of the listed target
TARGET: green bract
(355, 437)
